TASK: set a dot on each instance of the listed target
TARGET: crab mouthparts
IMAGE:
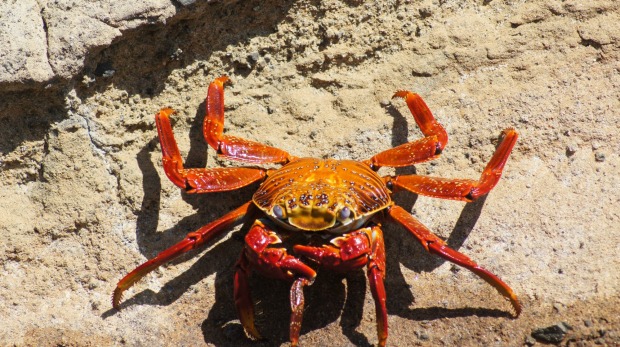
(312, 219)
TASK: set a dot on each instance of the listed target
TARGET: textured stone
(51, 40)
(23, 57)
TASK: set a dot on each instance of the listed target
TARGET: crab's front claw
(353, 251)
(349, 252)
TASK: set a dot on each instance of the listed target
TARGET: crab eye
(344, 213)
(278, 211)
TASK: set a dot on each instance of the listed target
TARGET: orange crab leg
(460, 189)
(418, 151)
(198, 180)
(435, 245)
(352, 251)
(191, 241)
(230, 146)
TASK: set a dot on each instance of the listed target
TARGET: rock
(551, 334)
(51, 40)
(23, 57)
(599, 157)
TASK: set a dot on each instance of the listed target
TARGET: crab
(318, 213)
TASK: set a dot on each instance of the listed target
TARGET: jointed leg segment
(420, 150)
(272, 262)
(460, 189)
(435, 245)
(198, 180)
(229, 146)
(193, 240)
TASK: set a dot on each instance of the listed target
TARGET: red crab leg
(198, 180)
(191, 241)
(274, 263)
(376, 273)
(460, 189)
(243, 299)
(435, 245)
(352, 251)
(297, 308)
(418, 151)
(230, 146)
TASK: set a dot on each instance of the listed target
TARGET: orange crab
(322, 212)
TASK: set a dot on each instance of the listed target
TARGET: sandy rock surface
(84, 199)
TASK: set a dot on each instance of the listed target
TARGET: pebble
(530, 341)
(599, 157)
(254, 56)
(551, 334)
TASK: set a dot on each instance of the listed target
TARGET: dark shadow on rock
(220, 260)
(466, 222)
(27, 117)
(353, 310)
(324, 301)
(143, 58)
(148, 217)
(197, 154)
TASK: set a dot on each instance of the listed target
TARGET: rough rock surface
(83, 198)
(49, 41)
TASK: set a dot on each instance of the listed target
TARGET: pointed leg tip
(509, 132)
(222, 79)
(117, 296)
(517, 307)
(253, 334)
(165, 112)
(401, 94)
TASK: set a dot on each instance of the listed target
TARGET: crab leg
(297, 308)
(198, 180)
(435, 245)
(418, 151)
(460, 189)
(274, 263)
(243, 299)
(352, 251)
(230, 146)
(376, 273)
(191, 241)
